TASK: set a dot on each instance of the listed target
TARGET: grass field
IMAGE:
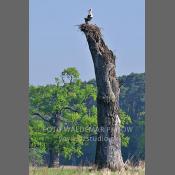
(83, 171)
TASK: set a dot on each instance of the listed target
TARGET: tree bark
(108, 150)
(53, 159)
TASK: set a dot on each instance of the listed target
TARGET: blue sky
(56, 43)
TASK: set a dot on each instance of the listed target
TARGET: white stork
(89, 16)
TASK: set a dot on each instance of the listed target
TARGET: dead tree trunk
(108, 150)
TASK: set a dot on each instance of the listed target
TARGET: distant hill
(132, 101)
(132, 94)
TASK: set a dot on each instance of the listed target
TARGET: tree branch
(39, 115)
(69, 108)
(84, 100)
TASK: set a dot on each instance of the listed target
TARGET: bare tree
(108, 150)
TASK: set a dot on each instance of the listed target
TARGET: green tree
(125, 120)
(59, 108)
(36, 141)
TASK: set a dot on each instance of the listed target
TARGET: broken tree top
(94, 36)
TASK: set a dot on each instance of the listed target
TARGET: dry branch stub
(108, 150)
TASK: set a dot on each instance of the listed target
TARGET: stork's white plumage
(89, 16)
(90, 13)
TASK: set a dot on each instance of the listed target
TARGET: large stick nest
(91, 30)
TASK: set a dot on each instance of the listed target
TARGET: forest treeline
(63, 119)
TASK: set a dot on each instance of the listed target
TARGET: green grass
(83, 171)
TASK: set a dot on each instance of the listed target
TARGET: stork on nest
(89, 16)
